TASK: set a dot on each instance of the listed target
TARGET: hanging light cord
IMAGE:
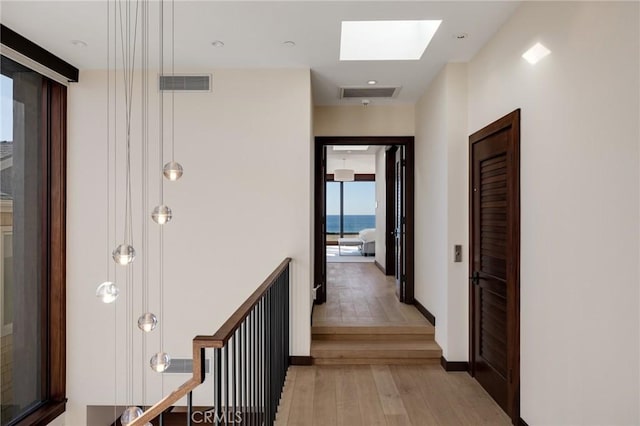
(161, 187)
(173, 73)
(128, 59)
(145, 195)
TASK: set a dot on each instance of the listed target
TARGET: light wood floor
(359, 294)
(377, 395)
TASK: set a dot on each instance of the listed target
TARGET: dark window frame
(53, 286)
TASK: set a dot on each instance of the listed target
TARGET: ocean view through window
(350, 207)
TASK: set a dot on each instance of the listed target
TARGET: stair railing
(250, 361)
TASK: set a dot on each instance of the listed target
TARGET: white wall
(580, 203)
(441, 208)
(381, 207)
(355, 120)
(243, 204)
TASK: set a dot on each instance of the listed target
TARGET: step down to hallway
(346, 345)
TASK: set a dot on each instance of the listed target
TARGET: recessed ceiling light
(385, 40)
(351, 147)
(217, 43)
(537, 52)
(289, 43)
(372, 82)
(79, 43)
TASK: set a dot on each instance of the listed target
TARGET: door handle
(475, 278)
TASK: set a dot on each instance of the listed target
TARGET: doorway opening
(387, 224)
(363, 311)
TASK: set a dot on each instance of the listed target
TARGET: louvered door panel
(494, 225)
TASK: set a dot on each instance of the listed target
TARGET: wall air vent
(368, 92)
(186, 83)
(184, 366)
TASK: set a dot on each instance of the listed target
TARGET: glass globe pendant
(147, 322)
(107, 292)
(130, 414)
(124, 254)
(172, 170)
(160, 362)
(161, 214)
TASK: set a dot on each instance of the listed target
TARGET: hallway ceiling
(254, 34)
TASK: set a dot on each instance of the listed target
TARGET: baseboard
(384, 271)
(454, 365)
(300, 360)
(425, 312)
(522, 422)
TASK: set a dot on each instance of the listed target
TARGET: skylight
(351, 147)
(385, 40)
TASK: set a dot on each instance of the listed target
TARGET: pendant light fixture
(108, 291)
(344, 174)
(173, 170)
(161, 214)
(124, 254)
(148, 321)
(161, 360)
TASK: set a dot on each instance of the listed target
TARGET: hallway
(359, 294)
(377, 395)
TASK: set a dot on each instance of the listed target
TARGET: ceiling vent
(368, 92)
(185, 83)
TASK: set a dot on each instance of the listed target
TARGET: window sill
(44, 414)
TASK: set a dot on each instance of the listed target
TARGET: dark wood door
(390, 211)
(399, 223)
(494, 260)
(320, 258)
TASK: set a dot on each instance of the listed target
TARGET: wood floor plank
(399, 420)
(387, 390)
(324, 397)
(437, 394)
(368, 399)
(286, 399)
(301, 413)
(409, 390)
(348, 409)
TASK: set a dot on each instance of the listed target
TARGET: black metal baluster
(268, 344)
(254, 404)
(189, 407)
(287, 319)
(234, 356)
(245, 393)
(240, 372)
(261, 358)
(217, 389)
(226, 382)
(161, 418)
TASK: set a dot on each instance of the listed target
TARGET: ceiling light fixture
(344, 174)
(535, 53)
(386, 40)
(372, 82)
(217, 43)
(351, 147)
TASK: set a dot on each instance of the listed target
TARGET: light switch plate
(457, 253)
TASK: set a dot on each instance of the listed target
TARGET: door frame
(320, 142)
(511, 120)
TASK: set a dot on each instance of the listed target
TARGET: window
(32, 230)
(350, 207)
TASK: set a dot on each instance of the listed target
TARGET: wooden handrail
(218, 340)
